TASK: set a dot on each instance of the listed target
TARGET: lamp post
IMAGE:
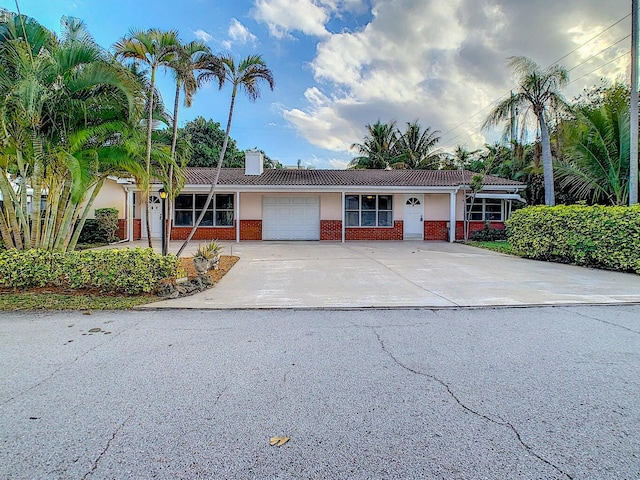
(163, 196)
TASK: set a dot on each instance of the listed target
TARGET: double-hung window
(369, 210)
(485, 209)
(219, 212)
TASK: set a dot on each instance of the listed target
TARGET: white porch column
(452, 216)
(343, 216)
(130, 215)
(237, 217)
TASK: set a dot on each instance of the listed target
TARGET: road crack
(104, 451)
(501, 422)
(599, 320)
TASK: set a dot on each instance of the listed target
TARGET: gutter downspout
(344, 216)
(452, 215)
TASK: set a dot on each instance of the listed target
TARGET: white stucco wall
(111, 195)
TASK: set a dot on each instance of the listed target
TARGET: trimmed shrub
(103, 229)
(489, 234)
(129, 271)
(595, 236)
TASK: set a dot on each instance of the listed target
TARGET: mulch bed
(225, 264)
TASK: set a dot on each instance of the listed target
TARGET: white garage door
(291, 218)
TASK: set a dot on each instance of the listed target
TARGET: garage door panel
(291, 218)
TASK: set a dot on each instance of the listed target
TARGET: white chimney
(253, 162)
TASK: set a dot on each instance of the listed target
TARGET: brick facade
(436, 230)
(375, 233)
(250, 229)
(122, 228)
(474, 227)
(330, 230)
(204, 233)
(137, 229)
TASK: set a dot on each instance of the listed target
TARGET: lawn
(50, 298)
(502, 247)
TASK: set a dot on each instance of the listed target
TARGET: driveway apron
(400, 274)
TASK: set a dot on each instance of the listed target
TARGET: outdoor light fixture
(163, 196)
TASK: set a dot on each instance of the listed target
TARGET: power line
(465, 122)
(601, 66)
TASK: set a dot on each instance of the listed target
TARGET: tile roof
(373, 178)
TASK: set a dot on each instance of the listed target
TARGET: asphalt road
(533, 393)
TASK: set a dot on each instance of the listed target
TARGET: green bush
(103, 229)
(489, 234)
(595, 236)
(129, 271)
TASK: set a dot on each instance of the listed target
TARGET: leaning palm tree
(417, 148)
(378, 151)
(188, 59)
(153, 48)
(539, 90)
(246, 75)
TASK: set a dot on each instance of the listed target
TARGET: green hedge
(129, 271)
(595, 236)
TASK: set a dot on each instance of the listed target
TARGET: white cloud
(203, 35)
(440, 62)
(239, 34)
(285, 16)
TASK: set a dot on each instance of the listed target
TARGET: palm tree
(597, 143)
(63, 102)
(417, 148)
(189, 57)
(153, 48)
(246, 75)
(539, 90)
(379, 147)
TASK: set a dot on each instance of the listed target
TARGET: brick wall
(122, 228)
(436, 230)
(204, 233)
(375, 233)
(330, 230)
(250, 229)
(137, 229)
(474, 227)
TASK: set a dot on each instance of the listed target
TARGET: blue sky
(340, 64)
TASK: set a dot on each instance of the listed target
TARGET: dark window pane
(224, 218)
(368, 202)
(184, 218)
(385, 219)
(200, 200)
(207, 220)
(384, 202)
(493, 208)
(184, 202)
(368, 219)
(352, 219)
(476, 216)
(224, 202)
(351, 202)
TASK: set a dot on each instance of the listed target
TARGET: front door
(155, 217)
(413, 215)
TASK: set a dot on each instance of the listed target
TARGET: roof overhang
(502, 196)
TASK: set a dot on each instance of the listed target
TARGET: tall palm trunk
(36, 184)
(85, 214)
(217, 176)
(147, 191)
(167, 213)
(547, 161)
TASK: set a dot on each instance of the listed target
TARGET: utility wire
(553, 63)
(601, 66)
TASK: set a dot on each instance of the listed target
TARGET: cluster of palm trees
(72, 113)
(581, 150)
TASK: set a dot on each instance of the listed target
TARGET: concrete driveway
(400, 274)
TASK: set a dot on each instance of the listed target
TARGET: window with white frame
(219, 212)
(486, 209)
(368, 210)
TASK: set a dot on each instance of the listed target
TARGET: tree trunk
(10, 200)
(547, 162)
(36, 184)
(148, 156)
(167, 210)
(85, 214)
(217, 176)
